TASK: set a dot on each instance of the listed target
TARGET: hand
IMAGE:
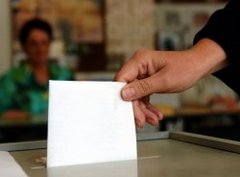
(148, 72)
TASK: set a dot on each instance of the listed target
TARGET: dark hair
(34, 24)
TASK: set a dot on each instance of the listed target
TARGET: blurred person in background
(24, 88)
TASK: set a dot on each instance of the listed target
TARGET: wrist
(210, 56)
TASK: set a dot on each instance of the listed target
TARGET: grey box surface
(161, 154)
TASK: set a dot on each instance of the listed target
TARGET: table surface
(156, 158)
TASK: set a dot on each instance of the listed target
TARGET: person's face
(37, 46)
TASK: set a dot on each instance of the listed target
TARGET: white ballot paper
(9, 167)
(88, 122)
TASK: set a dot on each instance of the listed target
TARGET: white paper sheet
(9, 167)
(88, 122)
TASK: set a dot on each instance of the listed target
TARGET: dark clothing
(223, 28)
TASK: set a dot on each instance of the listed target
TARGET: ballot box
(160, 154)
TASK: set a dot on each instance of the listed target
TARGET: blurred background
(93, 38)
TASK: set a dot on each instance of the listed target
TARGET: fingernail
(161, 117)
(128, 93)
(139, 124)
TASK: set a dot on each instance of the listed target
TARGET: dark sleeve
(223, 27)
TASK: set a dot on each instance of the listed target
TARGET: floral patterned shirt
(19, 89)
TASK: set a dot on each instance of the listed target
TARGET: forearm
(209, 56)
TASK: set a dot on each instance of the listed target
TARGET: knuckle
(144, 87)
(167, 84)
(119, 76)
(141, 52)
(171, 86)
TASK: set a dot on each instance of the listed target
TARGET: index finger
(128, 72)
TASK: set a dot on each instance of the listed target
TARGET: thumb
(137, 89)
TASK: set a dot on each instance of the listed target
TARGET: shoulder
(16, 73)
(14, 77)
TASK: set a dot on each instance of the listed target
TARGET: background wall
(5, 36)
(129, 26)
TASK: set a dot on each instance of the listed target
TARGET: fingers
(145, 113)
(151, 118)
(155, 111)
(139, 115)
(140, 75)
(142, 63)
(128, 72)
(138, 89)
